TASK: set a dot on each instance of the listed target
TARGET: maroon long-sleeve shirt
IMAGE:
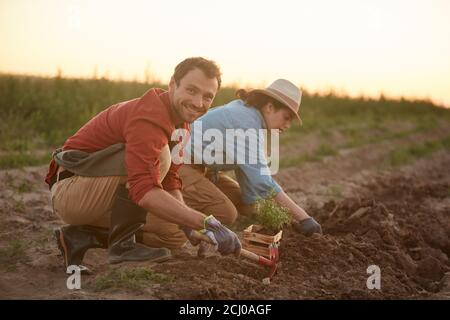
(145, 125)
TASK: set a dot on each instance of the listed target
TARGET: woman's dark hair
(257, 99)
(209, 68)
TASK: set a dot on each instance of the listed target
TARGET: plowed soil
(397, 219)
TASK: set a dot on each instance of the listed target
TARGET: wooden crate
(257, 242)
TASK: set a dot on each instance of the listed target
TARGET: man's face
(194, 94)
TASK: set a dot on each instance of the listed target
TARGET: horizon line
(328, 90)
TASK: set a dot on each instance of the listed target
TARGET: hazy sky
(399, 47)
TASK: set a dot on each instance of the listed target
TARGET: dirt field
(397, 218)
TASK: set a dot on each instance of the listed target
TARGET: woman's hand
(307, 226)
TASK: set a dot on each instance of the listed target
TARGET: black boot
(74, 241)
(126, 220)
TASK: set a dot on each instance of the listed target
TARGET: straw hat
(285, 92)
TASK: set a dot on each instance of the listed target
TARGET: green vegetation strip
(39, 113)
(18, 160)
(318, 155)
(14, 252)
(136, 278)
(410, 153)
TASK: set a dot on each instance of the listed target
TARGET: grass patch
(45, 237)
(324, 133)
(323, 151)
(18, 160)
(136, 278)
(426, 124)
(362, 135)
(24, 187)
(357, 137)
(14, 253)
(446, 143)
(19, 206)
(408, 154)
(334, 191)
(19, 186)
(297, 161)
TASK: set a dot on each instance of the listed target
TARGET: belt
(60, 176)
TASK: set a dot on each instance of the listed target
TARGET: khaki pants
(222, 198)
(88, 201)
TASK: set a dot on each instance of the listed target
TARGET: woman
(205, 185)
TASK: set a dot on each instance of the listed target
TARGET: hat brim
(280, 99)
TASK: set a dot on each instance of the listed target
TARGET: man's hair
(257, 99)
(209, 68)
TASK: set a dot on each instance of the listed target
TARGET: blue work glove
(307, 227)
(226, 241)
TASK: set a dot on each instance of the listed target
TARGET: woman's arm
(297, 212)
(302, 222)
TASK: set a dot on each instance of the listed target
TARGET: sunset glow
(399, 48)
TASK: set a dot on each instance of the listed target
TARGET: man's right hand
(227, 241)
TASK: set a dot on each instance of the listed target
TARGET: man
(116, 170)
